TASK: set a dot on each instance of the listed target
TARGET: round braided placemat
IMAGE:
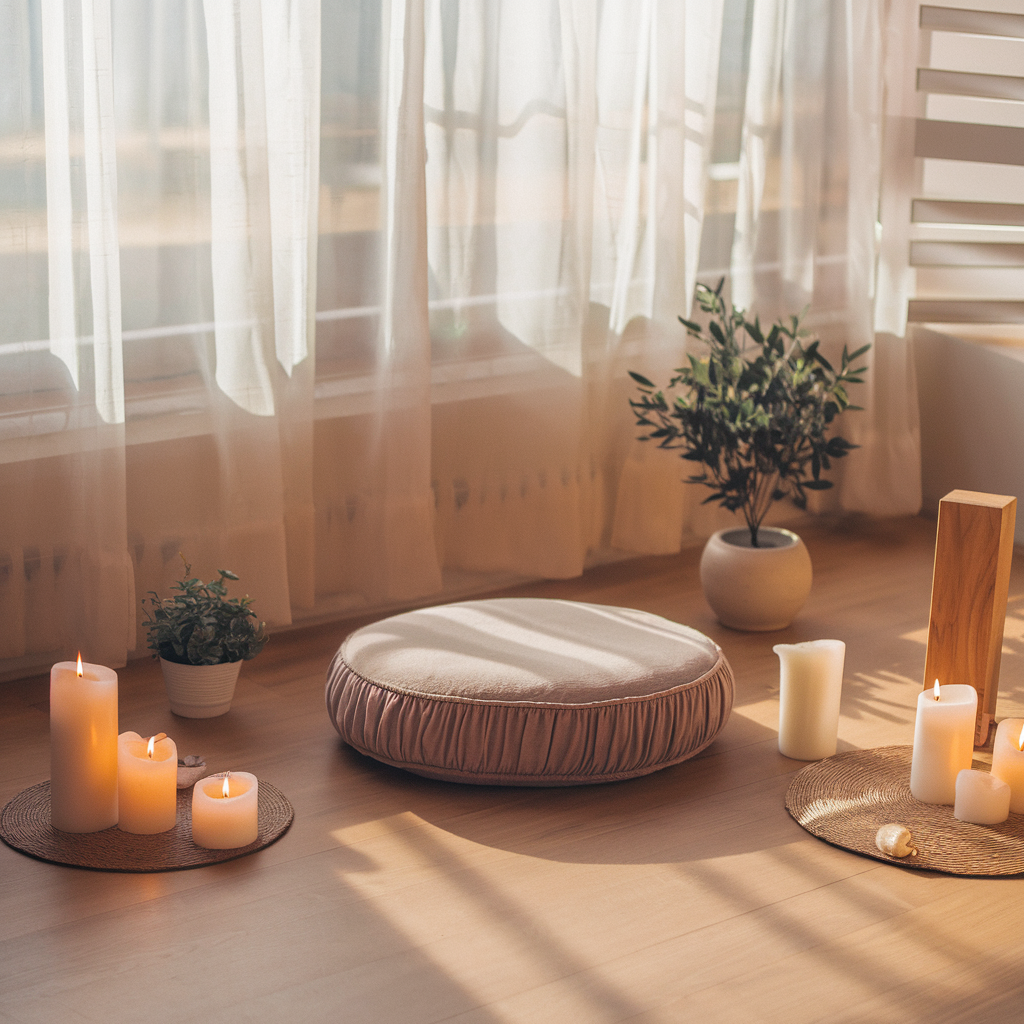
(25, 826)
(845, 799)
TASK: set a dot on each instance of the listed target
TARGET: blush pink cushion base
(529, 692)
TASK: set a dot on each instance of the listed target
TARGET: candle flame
(80, 672)
(936, 689)
(150, 746)
(1020, 742)
(226, 789)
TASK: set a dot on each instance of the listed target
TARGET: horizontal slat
(940, 211)
(961, 181)
(966, 254)
(980, 143)
(979, 23)
(976, 284)
(965, 311)
(961, 83)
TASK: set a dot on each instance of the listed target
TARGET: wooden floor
(688, 895)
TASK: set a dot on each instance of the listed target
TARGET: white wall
(972, 418)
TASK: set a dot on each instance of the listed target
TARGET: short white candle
(981, 798)
(225, 811)
(810, 688)
(1008, 760)
(943, 741)
(147, 783)
(83, 747)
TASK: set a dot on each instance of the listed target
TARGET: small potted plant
(201, 637)
(753, 412)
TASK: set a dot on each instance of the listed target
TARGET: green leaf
(636, 376)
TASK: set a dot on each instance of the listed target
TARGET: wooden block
(970, 583)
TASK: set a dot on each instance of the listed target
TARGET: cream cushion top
(529, 650)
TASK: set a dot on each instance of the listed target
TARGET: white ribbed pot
(200, 691)
(756, 589)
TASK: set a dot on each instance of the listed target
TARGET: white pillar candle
(981, 798)
(943, 741)
(1008, 760)
(83, 747)
(147, 783)
(810, 688)
(225, 811)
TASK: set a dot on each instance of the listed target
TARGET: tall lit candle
(810, 688)
(943, 741)
(225, 811)
(83, 747)
(147, 783)
(1008, 760)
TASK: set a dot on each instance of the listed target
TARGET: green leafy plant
(201, 625)
(754, 411)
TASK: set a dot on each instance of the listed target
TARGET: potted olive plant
(201, 637)
(754, 413)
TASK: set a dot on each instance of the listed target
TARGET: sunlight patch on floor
(481, 915)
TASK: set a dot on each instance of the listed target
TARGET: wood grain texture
(686, 895)
(970, 577)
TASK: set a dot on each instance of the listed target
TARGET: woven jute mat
(846, 798)
(25, 826)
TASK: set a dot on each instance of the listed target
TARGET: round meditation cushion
(529, 692)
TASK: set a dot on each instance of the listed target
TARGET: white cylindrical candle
(1008, 760)
(225, 811)
(981, 798)
(83, 747)
(810, 688)
(147, 783)
(943, 741)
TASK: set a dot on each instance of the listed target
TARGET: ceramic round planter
(755, 589)
(200, 691)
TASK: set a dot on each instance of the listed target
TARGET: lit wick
(80, 672)
(936, 689)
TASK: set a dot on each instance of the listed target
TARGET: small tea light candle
(225, 811)
(943, 741)
(981, 798)
(83, 746)
(1008, 760)
(147, 783)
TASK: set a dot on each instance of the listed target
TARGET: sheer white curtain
(566, 152)
(337, 295)
(157, 361)
(811, 169)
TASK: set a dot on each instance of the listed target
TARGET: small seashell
(895, 840)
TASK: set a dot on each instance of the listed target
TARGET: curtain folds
(811, 170)
(341, 294)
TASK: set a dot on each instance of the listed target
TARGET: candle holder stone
(191, 768)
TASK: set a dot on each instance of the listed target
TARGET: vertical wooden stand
(970, 583)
